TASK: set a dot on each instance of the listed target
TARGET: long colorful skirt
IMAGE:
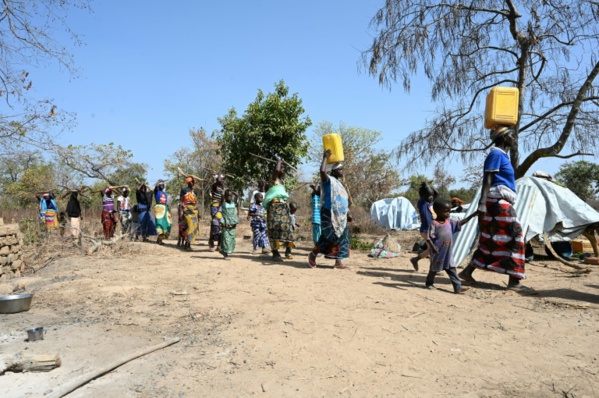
(189, 227)
(259, 231)
(331, 245)
(227, 244)
(501, 244)
(163, 221)
(108, 223)
(315, 232)
(51, 219)
(215, 227)
(146, 225)
(280, 228)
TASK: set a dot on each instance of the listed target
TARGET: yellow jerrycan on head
(333, 142)
(502, 107)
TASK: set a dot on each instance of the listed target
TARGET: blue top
(498, 163)
(161, 197)
(316, 209)
(426, 214)
(442, 237)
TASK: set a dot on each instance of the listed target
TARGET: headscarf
(499, 131)
(460, 201)
(334, 166)
(188, 180)
(107, 190)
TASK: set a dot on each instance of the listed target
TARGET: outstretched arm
(277, 171)
(466, 219)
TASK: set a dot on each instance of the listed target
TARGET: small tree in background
(273, 126)
(201, 159)
(369, 172)
(580, 177)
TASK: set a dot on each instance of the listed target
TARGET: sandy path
(252, 327)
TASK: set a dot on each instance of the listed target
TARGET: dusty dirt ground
(251, 327)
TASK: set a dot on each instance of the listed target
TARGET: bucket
(333, 142)
(35, 334)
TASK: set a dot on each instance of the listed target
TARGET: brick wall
(11, 241)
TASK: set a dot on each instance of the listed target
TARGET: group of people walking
(273, 224)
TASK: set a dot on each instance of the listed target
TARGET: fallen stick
(72, 386)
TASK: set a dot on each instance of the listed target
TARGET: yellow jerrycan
(502, 107)
(333, 142)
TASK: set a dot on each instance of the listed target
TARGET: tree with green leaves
(369, 172)
(549, 50)
(272, 127)
(580, 177)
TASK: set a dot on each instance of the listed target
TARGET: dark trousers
(453, 277)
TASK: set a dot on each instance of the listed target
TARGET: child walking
(315, 212)
(290, 245)
(425, 207)
(258, 224)
(229, 223)
(440, 242)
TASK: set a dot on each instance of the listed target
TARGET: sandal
(525, 290)
(467, 280)
(311, 260)
(342, 266)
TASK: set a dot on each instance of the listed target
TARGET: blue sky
(150, 71)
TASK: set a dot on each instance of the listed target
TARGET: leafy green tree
(580, 177)
(547, 49)
(273, 126)
(37, 178)
(368, 172)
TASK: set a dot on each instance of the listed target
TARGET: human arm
(323, 166)
(482, 203)
(429, 233)
(466, 219)
(277, 171)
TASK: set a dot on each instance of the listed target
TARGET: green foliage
(413, 186)
(35, 179)
(580, 177)
(273, 126)
(368, 172)
(356, 243)
(30, 228)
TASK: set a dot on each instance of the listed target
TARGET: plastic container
(502, 107)
(333, 142)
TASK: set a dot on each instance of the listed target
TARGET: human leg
(455, 280)
(430, 279)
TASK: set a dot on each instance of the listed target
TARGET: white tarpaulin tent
(395, 213)
(542, 206)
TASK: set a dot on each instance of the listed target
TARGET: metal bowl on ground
(15, 303)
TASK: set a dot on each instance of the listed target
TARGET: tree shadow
(569, 294)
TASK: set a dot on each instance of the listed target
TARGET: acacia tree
(108, 162)
(369, 174)
(201, 159)
(27, 40)
(547, 49)
(273, 126)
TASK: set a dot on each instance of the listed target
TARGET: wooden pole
(75, 384)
